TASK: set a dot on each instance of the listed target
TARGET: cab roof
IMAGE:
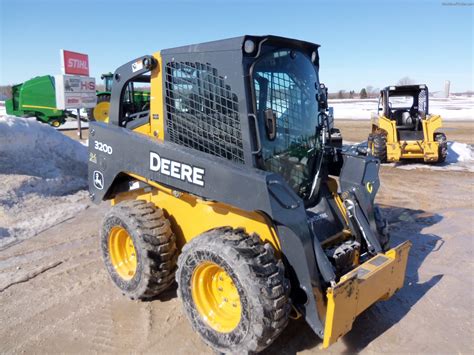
(237, 43)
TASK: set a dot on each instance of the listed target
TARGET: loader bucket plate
(376, 279)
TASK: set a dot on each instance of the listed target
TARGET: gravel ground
(56, 295)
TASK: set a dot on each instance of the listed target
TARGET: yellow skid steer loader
(404, 129)
(229, 185)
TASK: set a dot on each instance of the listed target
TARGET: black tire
(90, 114)
(259, 278)
(154, 243)
(379, 145)
(442, 146)
(382, 228)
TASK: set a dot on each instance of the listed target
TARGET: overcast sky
(362, 42)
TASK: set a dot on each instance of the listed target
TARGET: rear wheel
(55, 123)
(139, 249)
(101, 110)
(442, 146)
(233, 290)
(378, 142)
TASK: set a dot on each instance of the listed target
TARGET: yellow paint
(191, 216)
(157, 112)
(216, 298)
(426, 149)
(101, 111)
(45, 107)
(122, 252)
(332, 184)
(369, 187)
(362, 287)
(155, 126)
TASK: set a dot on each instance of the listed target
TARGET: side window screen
(202, 110)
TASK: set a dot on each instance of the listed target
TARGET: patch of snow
(460, 158)
(72, 124)
(456, 108)
(44, 178)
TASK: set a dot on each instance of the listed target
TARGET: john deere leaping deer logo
(98, 180)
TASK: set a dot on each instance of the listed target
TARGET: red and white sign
(74, 63)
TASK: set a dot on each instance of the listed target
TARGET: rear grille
(202, 111)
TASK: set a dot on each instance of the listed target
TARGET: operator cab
(407, 105)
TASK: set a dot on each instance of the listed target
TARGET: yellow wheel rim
(216, 297)
(56, 124)
(101, 111)
(122, 252)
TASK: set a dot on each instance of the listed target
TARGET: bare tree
(405, 81)
(5, 92)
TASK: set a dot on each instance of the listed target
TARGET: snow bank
(460, 158)
(44, 177)
(453, 109)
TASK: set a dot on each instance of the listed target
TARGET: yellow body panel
(426, 149)
(157, 111)
(191, 216)
(155, 127)
(376, 279)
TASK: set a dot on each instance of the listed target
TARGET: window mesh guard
(202, 111)
(422, 101)
(287, 153)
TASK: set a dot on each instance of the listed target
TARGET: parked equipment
(134, 100)
(36, 98)
(224, 185)
(404, 128)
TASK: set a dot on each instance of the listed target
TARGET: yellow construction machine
(230, 185)
(404, 129)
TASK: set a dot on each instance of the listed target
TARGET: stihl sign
(74, 63)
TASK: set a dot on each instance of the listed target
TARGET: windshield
(400, 101)
(108, 83)
(285, 81)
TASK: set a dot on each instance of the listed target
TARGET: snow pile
(459, 152)
(460, 158)
(459, 108)
(44, 177)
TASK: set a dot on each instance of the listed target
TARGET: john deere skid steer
(404, 129)
(229, 186)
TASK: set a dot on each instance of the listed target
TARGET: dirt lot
(56, 295)
(358, 130)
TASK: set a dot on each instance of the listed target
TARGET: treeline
(5, 92)
(365, 93)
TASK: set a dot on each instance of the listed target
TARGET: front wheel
(233, 290)
(442, 146)
(138, 248)
(378, 145)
